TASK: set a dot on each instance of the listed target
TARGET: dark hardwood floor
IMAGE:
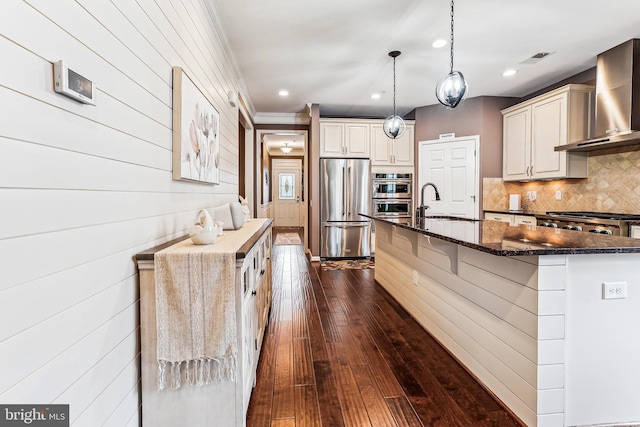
(339, 351)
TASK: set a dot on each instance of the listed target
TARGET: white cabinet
(524, 219)
(634, 231)
(391, 152)
(255, 273)
(498, 217)
(249, 325)
(220, 403)
(533, 128)
(512, 219)
(340, 138)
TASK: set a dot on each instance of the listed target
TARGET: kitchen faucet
(422, 210)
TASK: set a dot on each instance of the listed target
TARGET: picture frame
(196, 133)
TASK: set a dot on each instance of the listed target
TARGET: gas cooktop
(594, 215)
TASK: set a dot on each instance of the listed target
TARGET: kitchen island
(523, 309)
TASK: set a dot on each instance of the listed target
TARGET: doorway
(287, 193)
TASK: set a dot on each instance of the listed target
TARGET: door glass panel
(286, 184)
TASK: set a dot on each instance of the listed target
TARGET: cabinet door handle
(262, 272)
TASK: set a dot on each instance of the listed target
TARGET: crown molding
(281, 118)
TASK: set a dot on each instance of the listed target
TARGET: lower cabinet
(512, 219)
(255, 274)
(220, 403)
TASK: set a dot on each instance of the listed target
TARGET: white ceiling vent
(537, 57)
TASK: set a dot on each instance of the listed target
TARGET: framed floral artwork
(196, 133)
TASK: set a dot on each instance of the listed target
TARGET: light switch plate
(558, 194)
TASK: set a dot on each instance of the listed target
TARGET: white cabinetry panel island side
(522, 308)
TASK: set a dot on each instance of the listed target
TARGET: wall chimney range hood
(617, 100)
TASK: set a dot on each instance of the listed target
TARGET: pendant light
(452, 88)
(286, 149)
(394, 126)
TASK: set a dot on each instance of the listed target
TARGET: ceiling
(335, 52)
(277, 139)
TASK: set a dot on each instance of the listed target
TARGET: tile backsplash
(613, 186)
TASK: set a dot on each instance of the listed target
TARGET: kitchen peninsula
(523, 309)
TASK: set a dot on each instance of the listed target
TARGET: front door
(452, 165)
(287, 185)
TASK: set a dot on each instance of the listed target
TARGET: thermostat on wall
(72, 84)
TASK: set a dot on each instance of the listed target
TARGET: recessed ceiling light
(375, 96)
(439, 43)
(510, 72)
(283, 93)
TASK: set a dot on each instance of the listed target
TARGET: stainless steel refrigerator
(345, 192)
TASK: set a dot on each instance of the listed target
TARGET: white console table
(218, 403)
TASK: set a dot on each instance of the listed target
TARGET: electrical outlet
(558, 194)
(614, 290)
(415, 277)
(534, 196)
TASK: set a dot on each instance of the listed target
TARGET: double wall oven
(392, 196)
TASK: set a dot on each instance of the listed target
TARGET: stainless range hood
(617, 100)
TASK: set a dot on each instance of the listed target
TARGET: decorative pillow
(230, 214)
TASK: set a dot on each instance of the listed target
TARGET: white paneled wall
(84, 188)
(502, 317)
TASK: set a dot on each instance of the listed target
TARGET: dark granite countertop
(503, 239)
(540, 214)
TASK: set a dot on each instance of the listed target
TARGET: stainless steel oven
(392, 186)
(396, 210)
(392, 196)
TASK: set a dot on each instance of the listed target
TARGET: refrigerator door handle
(347, 225)
(344, 191)
(347, 191)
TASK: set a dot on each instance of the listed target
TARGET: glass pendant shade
(452, 89)
(394, 126)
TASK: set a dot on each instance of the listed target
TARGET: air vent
(536, 58)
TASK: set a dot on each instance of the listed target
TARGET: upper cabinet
(533, 128)
(391, 152)
(340, 138)
(366, 139)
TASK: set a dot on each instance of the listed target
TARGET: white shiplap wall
(84, 188)
(502, 317)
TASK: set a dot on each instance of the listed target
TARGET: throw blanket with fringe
(195, 314)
